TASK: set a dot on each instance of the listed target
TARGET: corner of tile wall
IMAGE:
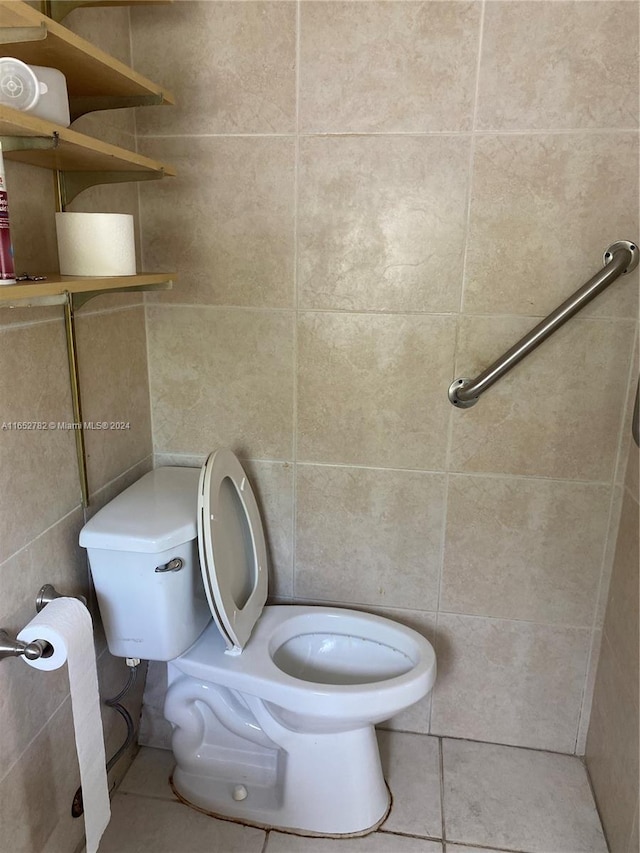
(346, 247)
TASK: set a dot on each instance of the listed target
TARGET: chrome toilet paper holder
(11, 648)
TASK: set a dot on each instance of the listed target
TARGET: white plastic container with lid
(34, 89)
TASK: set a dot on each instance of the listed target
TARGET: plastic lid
(233, 555)
(19, 86)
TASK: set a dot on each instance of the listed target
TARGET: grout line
(573, 131)
(367, 605)
(624, 321)
(40, 535)
(443, 829)
(443, 534)
(121, 474)
(22, 324)
(296, 303)
(116, 309)
(472, 152)
(67, 698)
(265, 844)
(441, 472)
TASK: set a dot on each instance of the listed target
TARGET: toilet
(273, 707)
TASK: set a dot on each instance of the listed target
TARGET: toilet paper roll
(96, 243)
(65, 624)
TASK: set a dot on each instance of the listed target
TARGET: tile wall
(375, 198)
(40, 506)
(612, 741)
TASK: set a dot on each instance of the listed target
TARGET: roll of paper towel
(96, 243)
(65, 624)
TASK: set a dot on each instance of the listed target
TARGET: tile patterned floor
(450, 796)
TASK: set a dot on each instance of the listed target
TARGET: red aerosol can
(7, 269)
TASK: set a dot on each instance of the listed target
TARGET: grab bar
(619, 259)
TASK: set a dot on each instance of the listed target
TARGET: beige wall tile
(272, 484)
(633, 470)
(222, 377)
(544, 209)
(381, 222)
(612, 748)
(225, 223)
(634, 841)
(29, 698)
(520, 548)
(554, 65)
(372, 389)
(417, 717)
(368, 536)
(33, 227)
(30, 568)
(114, 388)
(589, 686)
(509, 682)
(108, 29)
(621, 620)
(609, 554)
(629, 450)
(557, 414)
(231, 66)
(107, 493)
(375, 66)
(33, 234)
(38, 473)
(36, 792)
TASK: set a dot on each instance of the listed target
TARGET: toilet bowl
(273, 707)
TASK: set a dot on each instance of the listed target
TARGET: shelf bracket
(19, 35)
(79, 105)
(29, 143)
(81, 298)
(73, 183)
(59, 9)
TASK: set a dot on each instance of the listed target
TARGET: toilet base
(236, 758)
(328, 784)
(286, 829)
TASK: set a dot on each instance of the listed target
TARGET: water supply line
(77, 806)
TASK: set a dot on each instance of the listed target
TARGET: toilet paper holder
(11, 648)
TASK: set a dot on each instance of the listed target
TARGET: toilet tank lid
(154, 514)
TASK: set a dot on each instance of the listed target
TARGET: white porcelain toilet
(273, 707)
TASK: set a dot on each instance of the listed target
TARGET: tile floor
(449, 796)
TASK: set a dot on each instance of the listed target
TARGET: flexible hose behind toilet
(77, 806)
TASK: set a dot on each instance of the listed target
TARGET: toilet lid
(233, 555)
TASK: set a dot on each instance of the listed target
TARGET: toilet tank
(151, 607)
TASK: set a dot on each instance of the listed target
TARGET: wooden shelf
(60, 8)
(95, 80)
(57, 289)
(74, 152)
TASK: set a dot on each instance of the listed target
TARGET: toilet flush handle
(172, 566)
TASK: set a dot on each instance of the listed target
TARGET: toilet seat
(233, 554)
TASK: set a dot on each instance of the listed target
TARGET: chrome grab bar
(619, 259)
